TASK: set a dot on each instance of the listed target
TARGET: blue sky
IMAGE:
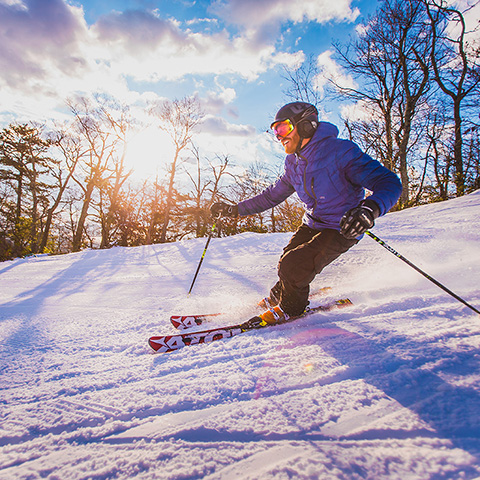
(229, 53)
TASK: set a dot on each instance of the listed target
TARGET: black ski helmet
(303, 115)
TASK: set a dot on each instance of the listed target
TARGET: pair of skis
(170, 343)
(184, 322)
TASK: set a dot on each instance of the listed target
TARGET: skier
(329, 176)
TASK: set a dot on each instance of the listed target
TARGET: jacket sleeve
(369, 173)
(269, 198)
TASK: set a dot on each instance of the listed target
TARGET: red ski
(182, 322)
(169, 343)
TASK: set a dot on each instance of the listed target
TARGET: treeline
(65, 189)
(415, 78)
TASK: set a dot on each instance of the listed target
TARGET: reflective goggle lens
(280, 129)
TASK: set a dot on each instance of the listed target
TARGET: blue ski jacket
(329, 176)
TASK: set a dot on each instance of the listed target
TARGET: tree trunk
(77, 238)
(169, 202)
(457, 150)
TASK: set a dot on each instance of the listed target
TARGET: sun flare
(149, 151)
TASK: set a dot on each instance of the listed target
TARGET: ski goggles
(280, 129)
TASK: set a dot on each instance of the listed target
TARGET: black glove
(359, 219)
(223, 209)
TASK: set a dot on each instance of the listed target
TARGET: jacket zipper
(311, 195)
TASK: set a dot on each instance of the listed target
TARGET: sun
(149, 151)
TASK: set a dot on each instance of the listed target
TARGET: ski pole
(436, 282)
(217, 220)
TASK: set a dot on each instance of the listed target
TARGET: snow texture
(386, 389)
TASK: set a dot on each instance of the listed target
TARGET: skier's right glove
(359, 219)
(223, 209)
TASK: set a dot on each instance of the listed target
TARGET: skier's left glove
(359, 219)
(224, 209)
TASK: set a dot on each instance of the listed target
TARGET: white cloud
(290, 60)
(228, 95)
(330, 70)
(219, 126)
(217, 100)
(198, 54)
(36, 37)
(253, 14)
(359, 111)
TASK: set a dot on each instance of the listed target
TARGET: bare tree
(208, 186)
(302, 81)
(101, 141)
(251, 183)
(118, 174)
(389, 62)
(472, 158)
(205, 179)
(70, 149)
(456, 67)
(179, 119)
(196, 197)
(110, 193)
(155, 212)
(438, 153)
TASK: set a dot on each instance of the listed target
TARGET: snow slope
(386, 389)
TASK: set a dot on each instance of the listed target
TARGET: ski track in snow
(386, 389)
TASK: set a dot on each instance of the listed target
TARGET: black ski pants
(308, 252)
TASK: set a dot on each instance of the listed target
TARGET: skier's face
(290, 141)
(287, 134)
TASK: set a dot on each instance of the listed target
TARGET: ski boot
(271, 316)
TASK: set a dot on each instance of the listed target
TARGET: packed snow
(388, 388)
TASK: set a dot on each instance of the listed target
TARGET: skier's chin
(289, 146)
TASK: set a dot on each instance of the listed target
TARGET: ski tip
(165, 344)
(154, 346)
(175, 320)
